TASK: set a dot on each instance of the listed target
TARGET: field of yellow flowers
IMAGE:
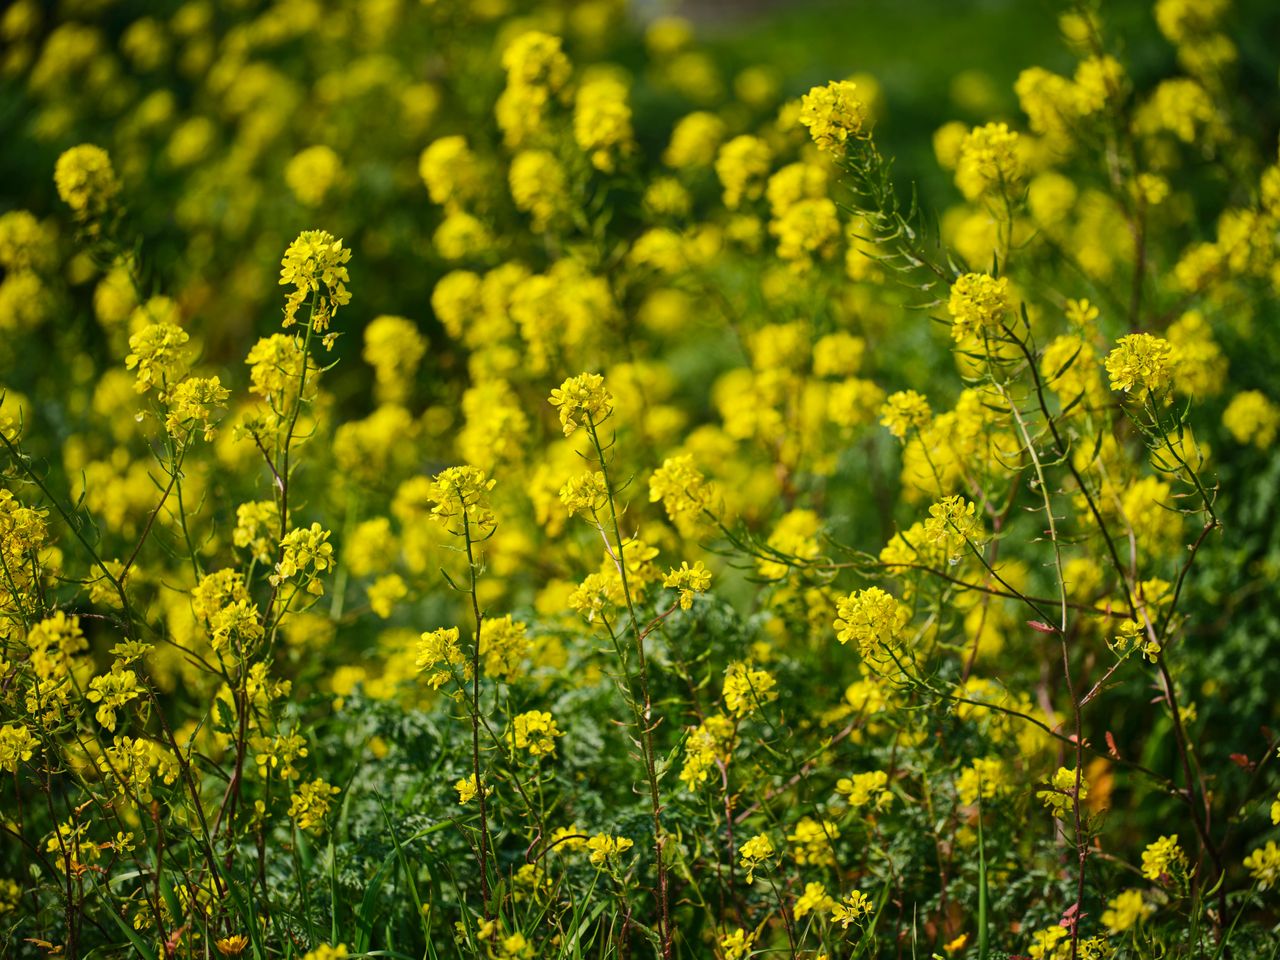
(515, 479)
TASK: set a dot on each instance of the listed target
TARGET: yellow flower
(586, 493)
(1125, 910)
(989, 162)
(874, 620)
(17, 745)
(310, 805)
(86, 181)
(755, 853)
(315, 262)
(978, 302)
(745, 689)
(582, 398)
(689, 581)
(737, 945)
(158, 352)
(312, 173)
(462, 493)
(1141, 362)
(813, 900)
(438, 650)
(305, 553)
(742, 164)
(1164, 860)
(905, 411)
(602, 121)
(605, 849)
(535, 731)
(191, 404)
(1061, 794)
(866, 789)
(232, 946)
(834, 115)
(1264, 865)
(953, 526)
(853, 908)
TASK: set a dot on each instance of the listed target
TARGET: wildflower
(86, 181)
(978, 303)
(853, 908)
(833, 114)
(1251, 417)
(462, 492)
(584, 397)
(257, 527)
(606, 850)
(504, 644)
(813, 900)
(305, 551)
(984, 778)
(467, 789)
(953, 526)
(685, 493)
(327, 952)
(666, 197)
(694, 141)
(585, 493)
(313, 261)
(811, 842)
(157, 350)
(538, 186)
(988, 162)
(689, 581)
(535, 731)
(1164, 860)
(807, 229)
(53, 642)
(450, 171)
(394, 347)
(905, 411)
(438, 650)
(276, 369)
(1141, 362)
(755, 853)
(737, 945)
(310, 805)
(869, 789)
(602, 121)
(232, 946)
(385, 592)
(1264, 865)
(838, 355)
(1045, 943)
(17, 745)
(312, 173)
(742, 165)
(709, 743)
(873, 619)
(567, 838)
(746, 688)
(192, 402)
(535, 59)
(113, 690)
(1125, 910)
(1061, 795)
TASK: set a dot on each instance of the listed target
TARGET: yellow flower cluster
(834, 115)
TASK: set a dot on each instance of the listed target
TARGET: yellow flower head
(315, 265)
(86, 181)
(582, 398)
(834, 115)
